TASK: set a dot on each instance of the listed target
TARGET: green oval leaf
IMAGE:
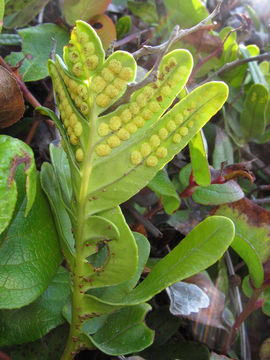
(35, 320)
(29, 254)
(14, 152)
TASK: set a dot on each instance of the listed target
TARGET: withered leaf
(11, 99)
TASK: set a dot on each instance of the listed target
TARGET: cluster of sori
(146, 104)
(70, 117)
(110, 82)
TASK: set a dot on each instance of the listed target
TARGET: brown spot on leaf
(159, 98)
(11, 99)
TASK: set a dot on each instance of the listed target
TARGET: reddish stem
(4, 356)
(253, 304)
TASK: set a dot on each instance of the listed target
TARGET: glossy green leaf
(200, 249)
(82, 9)
(13, 152)
(188, 13)
(199, 160)
(163, 187)
(118, 292)
(223, 150)
(123, 26)
(48, 348)
(51, 187)
(37, 42)
(249, 254)
(21, 12)
(251, 223)
(252, 119)
(124, 331)
(29, 254)
(109, 236)
(61, 167)
(217, 194)
(35, 320)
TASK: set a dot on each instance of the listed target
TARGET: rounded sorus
(183, 131)
(98, 84)
(154, 141)
(82, 37)
(126, 116)
(73, 120)
(177, 77)
(154, 106)
(145, 149)
(147, 114)
(102, 100)
(139, 121)
(131, 128)
(161, 152)
(107, 74)
(126, 73)
(136, 157)
(77, 129)
(91, 62)
(69, 130)
(84, 108)
(177, 138)
(103, 129)
(163, 133)
(73, 56)
(123, 134)
(148, 92)
(77, 101)
(88, 49)
(151, 161)
(113, 141)
(178, 119)
(172, 62)
(82, 91)
(111, 91)
(68, 111)
(171, 126)
(115, 66)
(73, 139)
(77, 69)
(115, 123)
(134, 108)
(72, 84)
(103, 150)
(66, 123)
(79, 155)
(190, 124)
(165, 90)
(141, 100)
(119, 84)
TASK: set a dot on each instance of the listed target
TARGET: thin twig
(144, 221)
(265, 200)
(150, 50)
(260, 165)
(239, 308)
(230, 66)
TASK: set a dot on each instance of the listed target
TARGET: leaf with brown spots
(11, 99)
(252, 222)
